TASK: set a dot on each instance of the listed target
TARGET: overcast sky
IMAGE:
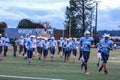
(12, 11)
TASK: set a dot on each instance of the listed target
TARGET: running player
(86, 43)
(21, 45)
(98, 53)
(53, 44)
(6, 42)
(39, 47)
(106, 45)
(1, 44)
(60, 47)
(74, 49)
(30, 47)
(45, 48)
(67, 48)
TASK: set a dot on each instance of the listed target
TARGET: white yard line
(24, 77)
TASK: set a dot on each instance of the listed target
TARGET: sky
(53, 11)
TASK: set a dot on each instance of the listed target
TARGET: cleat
(105, 72)
(87, 73)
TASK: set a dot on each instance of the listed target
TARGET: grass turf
(58, 69)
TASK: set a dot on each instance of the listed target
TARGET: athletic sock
(105, 68)
(100, 67)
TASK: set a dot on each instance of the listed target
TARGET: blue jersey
(39, 43)
(98, 47)
(86, 43)
(64, 43)
(75, 44)
(60, 43)
(45, 45)
(35, 43)
(21, 42)
(30, 45)
(105, 44)
(67, 46)
(25, 41)
(1, 41)
(6, 41)
(52, 43)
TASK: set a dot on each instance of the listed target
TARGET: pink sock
(105, 68)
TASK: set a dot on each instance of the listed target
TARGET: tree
(3, 25)
(79, 17)
(26, 23)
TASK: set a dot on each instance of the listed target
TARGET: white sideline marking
(24, 77)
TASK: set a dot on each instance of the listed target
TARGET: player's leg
(65, 54)
(74, 55)
(103, 60)
(99, 58)
(0, 53)
(105, 67)
(86, 60)
(5, 50)
(15, 50)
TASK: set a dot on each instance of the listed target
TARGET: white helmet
(52, 38)
(21, 37)
(61, 38)
(46, 38)
(106, 35)
(87, 32)
(68, 39)
(32, 36)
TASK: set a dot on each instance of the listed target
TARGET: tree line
(26, 23)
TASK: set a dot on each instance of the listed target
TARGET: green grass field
(58, 69)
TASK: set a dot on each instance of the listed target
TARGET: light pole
(96, 17)
(70, 28)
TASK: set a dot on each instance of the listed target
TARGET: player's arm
(92, 45)
(110, 47)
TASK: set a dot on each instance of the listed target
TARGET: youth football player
(52, 44)
(106, 45)
(6, 42)
(75, 45)
(39, 47)
(98, 53)
(86, 43)
(45, 48)
(67, 48)
(30, 47)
